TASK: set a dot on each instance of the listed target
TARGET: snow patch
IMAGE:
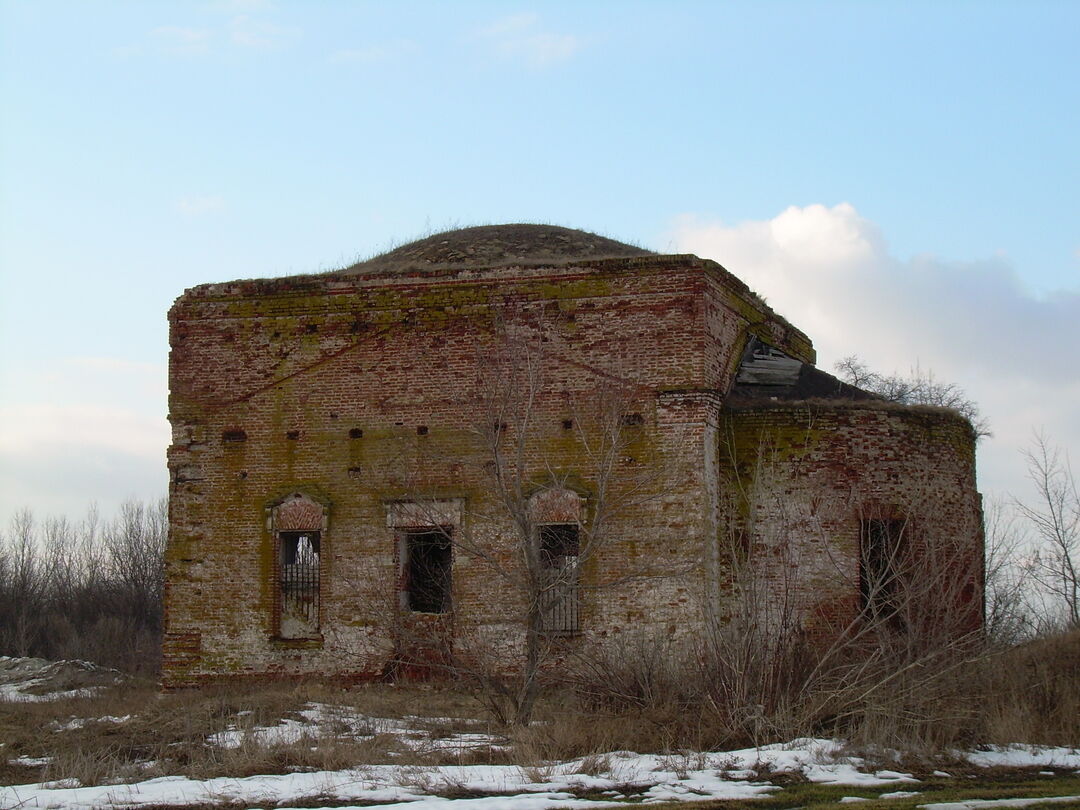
(1023, 756)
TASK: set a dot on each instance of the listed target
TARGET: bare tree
(1009, 614)
(24, 582)
(919, 387)
(1055, 519)
(87, 590)
(544, 514)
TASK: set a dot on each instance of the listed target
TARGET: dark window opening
(881, 549)
(299, 583)
(633, 420)
(427, 571)
(421, 430)
(560, 547)
(293, 435)
(567, 424)
(233, 435)
(356, 433)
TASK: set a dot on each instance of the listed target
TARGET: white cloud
(250, 32)
(179, 40)
(372, 54)
(247, 5)
(77, 428)
(243, 28)
(519, 36)
(200, 204)
(828, 270)
(83, 429)
(514, 25)
(60, 458)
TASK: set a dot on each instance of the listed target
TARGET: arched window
(298, 524)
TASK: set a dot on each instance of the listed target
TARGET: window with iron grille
(299, 566)
(559, 594)
(881, 550)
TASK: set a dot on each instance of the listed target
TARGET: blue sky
(899, 179)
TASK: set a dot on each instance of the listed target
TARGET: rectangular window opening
(428, 562)
(300, 553)
(881, 549)
(560, 547)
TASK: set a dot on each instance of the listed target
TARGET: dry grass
(1028, 694)
(1033, 692)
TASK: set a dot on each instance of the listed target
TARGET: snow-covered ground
(589, 782)
(604, 780)
(420, 734)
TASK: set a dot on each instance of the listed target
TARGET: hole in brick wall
(559, 605)
(293, 434)
(312, 327)
(333, 415)
(499, 427)
(633, 420)
(357, 326)
(567, 424)
(233, 435)
(355, 472)
(243, 473)
(882, 548)
(356, 433)
(398, 424)
(427, 571)
(276, 335)
(421, 430)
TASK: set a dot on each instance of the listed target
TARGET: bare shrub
(884, 658)
(919, 387)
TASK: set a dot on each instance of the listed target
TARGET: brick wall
(803, 478)
(362, 393)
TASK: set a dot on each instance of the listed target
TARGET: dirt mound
(35, 679)
(497, 245)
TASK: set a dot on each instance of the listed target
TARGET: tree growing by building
(559, 473)
(1055, 518)
(919, 387)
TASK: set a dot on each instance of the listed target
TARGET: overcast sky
(900, 180)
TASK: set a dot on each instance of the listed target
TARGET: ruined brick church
(381, 466)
